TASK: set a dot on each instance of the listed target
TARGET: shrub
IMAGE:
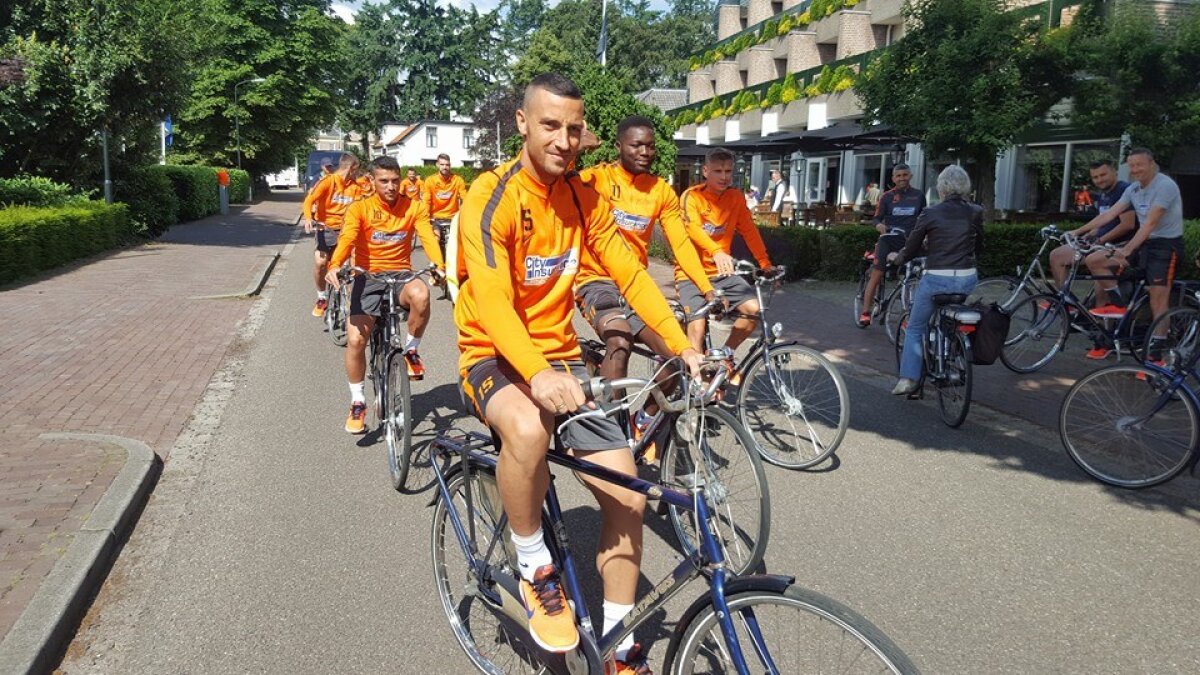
(196, 188)
(684, 118)
(34, 239)
(150, 195)
(239, 186)
(34, 191)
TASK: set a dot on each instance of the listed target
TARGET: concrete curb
(260, 280)
(33, 644)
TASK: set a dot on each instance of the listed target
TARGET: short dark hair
(443, 156)
(386, 163)
(634, 122)
(718, 155)
(1142, 151)
(1103, 162)
(555, 83)
(901, 167)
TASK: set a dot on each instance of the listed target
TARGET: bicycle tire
(377, 375)
(1038, 329)
(1135, 329)
(743, 534)
(1006, 291)
(1182, 336)
(1113, 425)
(398, 422)
(820, 637)
(336, 319)
(954, 408)
(859, 301)
(898, 302)
(802, 425)
(901, 332)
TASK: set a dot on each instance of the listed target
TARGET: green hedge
(34, 239)
(196, 188)
(35, 191)
(150, 194)
(239, 186)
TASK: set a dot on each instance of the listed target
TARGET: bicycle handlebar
(398, 276)
(746, 268)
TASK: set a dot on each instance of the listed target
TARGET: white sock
(531, 553)
(613, 613)
(358, 393)
(411, 343)
(322, 295)
(642, 419)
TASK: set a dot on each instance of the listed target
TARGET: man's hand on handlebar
(694, 361)
(893, 256)
(308, 225)
(331, 278)
(724, 263)
(557, 392)
(712, 297)
(881, 228)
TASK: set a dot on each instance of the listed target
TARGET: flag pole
(604, 33)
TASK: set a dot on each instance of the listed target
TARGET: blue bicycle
(757, 623)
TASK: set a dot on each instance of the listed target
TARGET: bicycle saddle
(942, 299)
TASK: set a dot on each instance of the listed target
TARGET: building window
(468, 139)
(431, 137)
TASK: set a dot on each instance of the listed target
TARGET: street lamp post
(237, 126)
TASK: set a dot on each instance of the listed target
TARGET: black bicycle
(388, 371)
(337, 311)
(947, 355)
(887, 306)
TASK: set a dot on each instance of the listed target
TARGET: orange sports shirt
(381, 235)
(521, 243)
(719, 217)
(331, 196)
(637, 203)
(443, 195)
(412, 188)
(366, 186)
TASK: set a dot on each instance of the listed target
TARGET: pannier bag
(990, 333)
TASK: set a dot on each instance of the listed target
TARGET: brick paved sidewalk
(119, 345)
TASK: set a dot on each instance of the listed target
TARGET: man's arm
(754, 240)
(671, 217)
(1125, 225)
(882, 209)
(352, 225)
(1143, 232)
(424, 226)
(315, 196)
(1108, 216)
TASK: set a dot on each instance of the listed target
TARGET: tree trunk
(986, 190)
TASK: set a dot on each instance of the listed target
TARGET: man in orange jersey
(638, 199)
(444, 193)
(714, 210)
(323, 210)
(412, 186)
(379, 232)
(522, 230)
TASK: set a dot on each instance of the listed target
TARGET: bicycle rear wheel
(397, 421)
(796, 630)
(1180, 338)
(795, 405)
(1129, 426)
(954, 386)
(1037, 331)
(719, 454)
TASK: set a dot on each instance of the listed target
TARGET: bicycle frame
(1096, 327)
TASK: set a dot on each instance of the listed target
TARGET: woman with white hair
(952, 232)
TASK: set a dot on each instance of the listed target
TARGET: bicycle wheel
(954, 385)
(796, 630)
(398, 422)
(858, 296)
(378, 383)
(794, 403)
(1180, 330)
(719, 454)
(1129, 426)
(899, 301)
(481, 628)
(1134, 330)
(901, 331)
(1037, 331)
(335, 316)
(1005, 291)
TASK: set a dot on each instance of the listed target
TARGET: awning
(835, 137)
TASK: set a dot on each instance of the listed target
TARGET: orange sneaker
(1098, 353)
(640, 425)
(356, 422)
(319, 308)
(635, 663)
(864, 319)
(1109, 311)
(416, 368)
(551, 621)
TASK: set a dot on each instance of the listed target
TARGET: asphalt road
(275, 543)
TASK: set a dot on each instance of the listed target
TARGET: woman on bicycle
(952, 232)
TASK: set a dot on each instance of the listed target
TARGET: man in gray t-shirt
(1157, 246)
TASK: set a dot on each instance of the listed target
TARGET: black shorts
(326, 240)
(736, 289)
(599, 301)
(887, 245)
(1160, 259)
(482, 380)
(366, 296)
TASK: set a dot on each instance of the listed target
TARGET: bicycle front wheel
(795, 405)
(1129, 426)
(954, 385)
(717, 453)
(1005, 291)
(1179, 336)
(397, 420)
(796, 631)
(898, 303)
(335, 316)
(1037, 331)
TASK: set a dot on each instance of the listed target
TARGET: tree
(968, 79)
(605, 105)
(1141, 79)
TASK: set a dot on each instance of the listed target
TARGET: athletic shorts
(887, 245)
(482, 380)
(600, 301)
(1160, 259)
(366, 296)
(736, 289)
(326, 240)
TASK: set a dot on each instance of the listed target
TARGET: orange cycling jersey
(381, 235)
(366, 186)
(520, 243)
(637, 202)
(331, 196)
(719, 217)
(412, 188)
(443, 195)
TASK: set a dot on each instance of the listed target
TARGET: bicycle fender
(775, 583)
(449, 474)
